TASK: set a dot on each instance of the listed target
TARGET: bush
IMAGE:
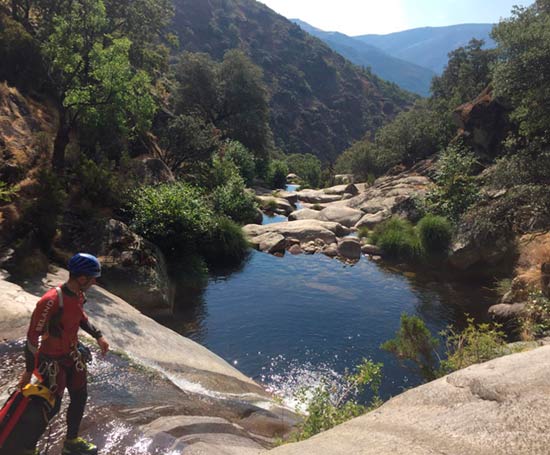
(536, 322)
(456, 189)
(415, 343)
(359, 160)
(307, 167)
(40, 215)
(328, 406)
(174, 216)
(225, 242)
(276, 174)
(475, 344)
(234, 201)
(435, 233)
(397, 239)
(242, 158)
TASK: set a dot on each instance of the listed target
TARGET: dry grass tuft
(534, 251)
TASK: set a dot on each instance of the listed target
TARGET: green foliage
(475, 344)
(20, 55)
(271, 205)
(415, 343)
(97, 183)
(307, 167)
(435, 233)
(7, 192)
(41, 214)
(456, 188)
(232, 199)
(224, 243)
(467, 74)
(186, 140)
(276, 174)
(328, 406)
(523, 50)
(174, 216)
(230, 95)
(397, 239)
(359, 160)
(242, 158)
(412, 136)
(536, 321)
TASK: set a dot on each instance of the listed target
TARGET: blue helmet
(84, 264)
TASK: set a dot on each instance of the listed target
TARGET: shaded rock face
(134, 268)
(152, 171)
(482, 124)
(505, 312)
(281, 205)
(467, 252)
(545, 279)
(349, 248)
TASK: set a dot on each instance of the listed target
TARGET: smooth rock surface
(342, 189)
(270, 242)
(346, 216)
(303, 230)
(496, 408)
(349, 248)
(304, 214)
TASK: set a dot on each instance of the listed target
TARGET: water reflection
(276, 316)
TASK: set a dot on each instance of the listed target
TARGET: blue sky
(358, 17)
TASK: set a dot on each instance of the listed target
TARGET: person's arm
(89, 328)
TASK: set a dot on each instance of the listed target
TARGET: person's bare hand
(103, 345)
(24, 380)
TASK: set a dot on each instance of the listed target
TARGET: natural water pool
(287, 322)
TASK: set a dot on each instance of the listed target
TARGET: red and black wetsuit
(51, 340)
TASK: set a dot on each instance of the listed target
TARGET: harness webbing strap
(59, 297)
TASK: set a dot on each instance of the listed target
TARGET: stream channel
(289, 322)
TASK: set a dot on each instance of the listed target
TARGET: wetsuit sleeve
(45, 309)
(89, 328)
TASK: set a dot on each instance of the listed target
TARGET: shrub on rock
(435, 233)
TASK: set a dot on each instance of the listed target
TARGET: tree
(466, 75)
(231, 95)
(307, 167)
(92, 75)
(521, 72)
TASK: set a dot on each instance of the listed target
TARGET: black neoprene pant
(75, 412)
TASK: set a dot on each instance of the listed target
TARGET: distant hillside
(429, 46)
(405, 74)
(320, 102)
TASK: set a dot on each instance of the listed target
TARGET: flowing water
(288, 322)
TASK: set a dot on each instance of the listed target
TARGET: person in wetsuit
(52, 347)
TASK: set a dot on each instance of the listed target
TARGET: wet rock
(134, 268)
(304, 214)
(342, 189)
(346, 216)
(349, 248)
(372, 219)
(270, 242)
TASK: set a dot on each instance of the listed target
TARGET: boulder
(290, 196)
(292, 177)
(343, 179)
(295, 249)
(373, 250)
(304, 214)
(282, 206)
(134, 268)
(346, 216)
(270, 242)
(330, 250)
(317, 196)
(498, 407)
(507, 312)
(342, 189)
(372, 219)
(302, 230)
(349, 248)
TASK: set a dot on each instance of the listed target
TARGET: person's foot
(78, 446)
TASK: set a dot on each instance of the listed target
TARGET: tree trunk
(60, 143)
